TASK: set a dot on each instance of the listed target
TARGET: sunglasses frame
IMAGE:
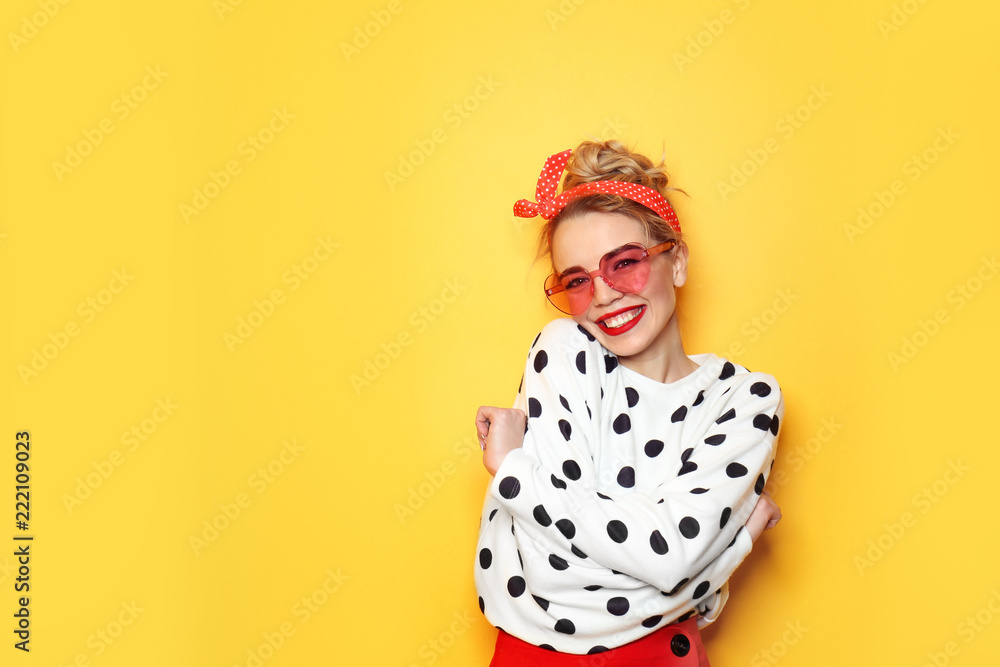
(647, 253)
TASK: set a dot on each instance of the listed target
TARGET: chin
(625, 345)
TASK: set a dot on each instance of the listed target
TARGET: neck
(665, 360)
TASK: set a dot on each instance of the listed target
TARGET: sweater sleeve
(674, 538)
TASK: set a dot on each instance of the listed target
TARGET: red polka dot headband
(548, 205)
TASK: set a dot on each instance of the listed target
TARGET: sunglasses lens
(571, 301)
(627, 270)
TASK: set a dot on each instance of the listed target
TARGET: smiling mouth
(621, 322)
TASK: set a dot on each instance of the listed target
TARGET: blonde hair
(612, 161)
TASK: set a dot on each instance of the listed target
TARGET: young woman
(628, 480)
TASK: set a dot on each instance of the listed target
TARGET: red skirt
(677, 645)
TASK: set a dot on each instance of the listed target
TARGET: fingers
(775, 517)
(484, 416)
(483, 424)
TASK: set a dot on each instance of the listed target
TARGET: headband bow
(548, 205)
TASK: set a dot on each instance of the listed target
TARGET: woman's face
(626, 324)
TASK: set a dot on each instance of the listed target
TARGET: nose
(604, 293)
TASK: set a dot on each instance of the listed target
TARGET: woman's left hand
(765, 515)
(501, 431)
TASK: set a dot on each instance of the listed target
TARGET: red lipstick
(617, 331)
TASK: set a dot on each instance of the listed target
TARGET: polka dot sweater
(624, 509)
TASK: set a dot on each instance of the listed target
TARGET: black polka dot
(509, 487)
(610, 363)
(679, 414)
(652, 621)
(577, 552)
(657, 543)
(485, 559)
(602, 496)
(632, 396)
(534, 408)
(724, 519)
(588, 409)
(482, 604)
(653, 448)
(735, 470)
(565, 626)
(547, 647)
(564, 402)
(680, 585)
(761, 389)
(558, 483)
(684, 617)
(701, 589)
(699, 490)
(774, 425)
(763, 422)
(519, 559)
(617, 531)
(557, 563)
(581, 362)
(626, 477)
(571, 469)
(758, 486)
(593, 587)
(541, 516)
(686, 454)
(618, 606)
(728, 371)
(493, 514)
(716, 439)
(520, 384)
(586, 333)
(515, 586)
(689, 527)
(541, 360)
(597, 649)
(566, 527)
(535, 342)
(729, 414)
(622, 424)
(566, 429)
(689, 466)
(701, 397)
(541, 602)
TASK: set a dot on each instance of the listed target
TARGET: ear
(680, 264)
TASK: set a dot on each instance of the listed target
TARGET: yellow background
(399, 134)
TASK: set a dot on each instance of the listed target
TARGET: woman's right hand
(765, 515)
(501, 431)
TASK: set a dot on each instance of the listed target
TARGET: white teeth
(623, 319)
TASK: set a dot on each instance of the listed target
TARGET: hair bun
(613, 161)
